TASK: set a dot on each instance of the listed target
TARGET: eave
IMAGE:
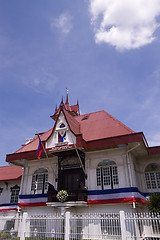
(92, 145)
(154, 150)
(114, 141)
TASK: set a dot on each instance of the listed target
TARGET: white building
(10, 181)
(103, 165)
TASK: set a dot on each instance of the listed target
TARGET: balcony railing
(76, 195)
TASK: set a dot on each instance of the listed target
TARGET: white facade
(100, 174)
(131, 175)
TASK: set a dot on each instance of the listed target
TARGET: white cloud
(125, 24)
(63, 22)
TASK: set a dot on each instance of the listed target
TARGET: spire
(61, 104)
(67, 96)
(78, 112)
(73, 110)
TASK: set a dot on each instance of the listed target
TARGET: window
(152, 176)
(40, 181)
(14, 194)
(9, 225)
(107, 174)
(62, 125)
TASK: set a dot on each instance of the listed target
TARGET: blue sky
(107, 53)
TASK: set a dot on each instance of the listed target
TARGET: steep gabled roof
(9, 173)
(92, 131)
(72, 122)
(100, 125)
(93, 126)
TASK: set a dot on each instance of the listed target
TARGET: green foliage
(154, 203)
(5, 235)
(8, 235)
(16, 238)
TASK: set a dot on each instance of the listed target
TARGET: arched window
(40, 181)
(152, 176)
(107, 175)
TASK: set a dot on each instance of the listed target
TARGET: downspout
(129, 168)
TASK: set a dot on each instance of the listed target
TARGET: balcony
(73, 196)
(79, 195)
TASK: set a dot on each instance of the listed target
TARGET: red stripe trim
(118, 200)
(32, 204)
(8, 209)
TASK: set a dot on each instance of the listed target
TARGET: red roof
(72, 122)
(97, 129)
(33, 145)
(99, 125)
(9, 173)
(92, 126)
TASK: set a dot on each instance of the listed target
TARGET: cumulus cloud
(125, 24)
(63, 23)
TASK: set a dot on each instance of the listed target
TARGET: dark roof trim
(154, 150)
(21, 155)
(113, 141)
(96, 144)
(11, 179)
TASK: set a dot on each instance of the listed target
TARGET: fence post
(67, 226)
(123, 225)
(23, 226)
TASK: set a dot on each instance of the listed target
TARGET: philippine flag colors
(40, 148)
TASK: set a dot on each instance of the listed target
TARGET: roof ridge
(115, 119)
(89, 113)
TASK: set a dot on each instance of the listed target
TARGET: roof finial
(67, 96)
(61, 104)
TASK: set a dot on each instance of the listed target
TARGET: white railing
(142, 226)
(97, 226)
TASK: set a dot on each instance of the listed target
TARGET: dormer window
(85, 117)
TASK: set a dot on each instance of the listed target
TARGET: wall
(5, 196)
(117, 155)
